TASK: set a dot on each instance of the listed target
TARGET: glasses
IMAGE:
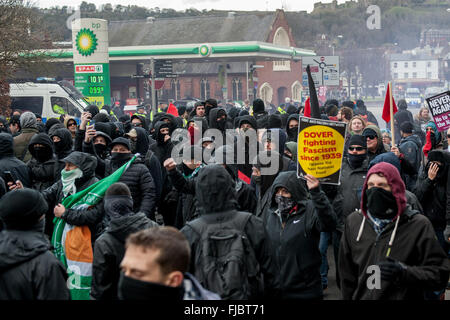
(356, 148)
(448, 135)
(71, 124)
(371, 136)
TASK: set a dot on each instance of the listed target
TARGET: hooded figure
(433, 192)
(387, 233)
(28, 268)
(216, 199)
(29, 129)
(260, 114)
(222, 124)
(245, 194)
(50, 123)
(8, 162)
(293, 225)
(71, 182)
(292, 132)
(361, 110)
(110, 246)
(63, 147)
(43, 166)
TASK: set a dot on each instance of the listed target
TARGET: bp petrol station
(91, 56)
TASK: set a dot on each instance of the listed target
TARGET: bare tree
(22, 40)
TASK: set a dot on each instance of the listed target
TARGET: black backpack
(225, 262)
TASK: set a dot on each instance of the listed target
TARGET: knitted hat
(407, 127)
(358, 140)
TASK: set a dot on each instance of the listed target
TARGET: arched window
(175, 89)
(266, 93)
(204, 89)
(281, 38)
(237, 89)
(296, 91)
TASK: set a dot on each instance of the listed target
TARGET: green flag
(72, 244)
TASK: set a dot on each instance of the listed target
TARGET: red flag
(386, 111)
(307, 110)
(243, 177)
(172, 110)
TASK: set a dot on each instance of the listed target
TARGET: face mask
(68, 180)
(59, 146)
(221, 124)
(293, 132)
(120, 158)
(133, 145)
(245, 129)
(285, 205)
(381, 203)
(133, 289)
(100, 148)
(356, 160)
(42, 154)
(118, 206)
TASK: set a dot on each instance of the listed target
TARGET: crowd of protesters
(212, 226)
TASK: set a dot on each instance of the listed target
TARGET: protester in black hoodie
(28, 268)
(214, 191)
(8, 162)
(361, 110)
(386, 233)
(43, 166)
(110, 246)
(292, 127)
(293, 224)
(260, 113)
(62, 139)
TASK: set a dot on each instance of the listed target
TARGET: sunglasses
(371, 136)
(448, 136)
(356, 148)
(71, 124)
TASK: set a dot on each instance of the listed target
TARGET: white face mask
(68, 180)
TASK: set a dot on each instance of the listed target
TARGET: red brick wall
(278, 79)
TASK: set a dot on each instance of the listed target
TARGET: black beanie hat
(258, 106)
(21, 209)
(331, 110)
(101, 117)
(368, 132)
(407, 127)
(50, 123)
(358, 140)
(122, 141)
(92, 109)
(181, 110)
(274, 121)
(291, 109)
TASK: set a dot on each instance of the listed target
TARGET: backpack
(225, 261)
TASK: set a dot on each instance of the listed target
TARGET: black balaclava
(42, 154)
(133, 289)
(100, 150)
(381, 203)
(117, 206)
(285, 206)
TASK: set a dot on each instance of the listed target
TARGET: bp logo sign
(86, 42)
(205, 50)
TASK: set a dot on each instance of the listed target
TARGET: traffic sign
(324, 70)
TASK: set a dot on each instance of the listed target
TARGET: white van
(50, 100)
(413, 97)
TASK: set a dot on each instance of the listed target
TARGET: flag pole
(391, 110)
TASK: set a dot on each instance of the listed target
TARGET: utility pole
(152, 67)
(246, 69)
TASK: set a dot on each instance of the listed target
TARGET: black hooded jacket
(139, 180)
(28, 268)
(46, 173)
(295, 243)
(109, 251)
(161, 149)
(213, 124)
(8, 162)
(64, 147)
(292, 135)
(214, 191)
(78, 217)
(434, 195)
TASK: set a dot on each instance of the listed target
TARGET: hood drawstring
(391, 241)
(361, 228)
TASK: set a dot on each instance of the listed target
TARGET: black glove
(392, 270)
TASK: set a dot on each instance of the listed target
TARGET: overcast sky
(260, 5)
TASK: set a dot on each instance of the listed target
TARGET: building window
(237, 89)
(429, 76)
(204, 89)
(414, 64)
(296, 91)
(132, 92)
(406, 75)
(396, 75)
(429, 64)
(414, 74)
(266, 93)
(175, 89)
(395, 64)
(406, 64)
(281, 38)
